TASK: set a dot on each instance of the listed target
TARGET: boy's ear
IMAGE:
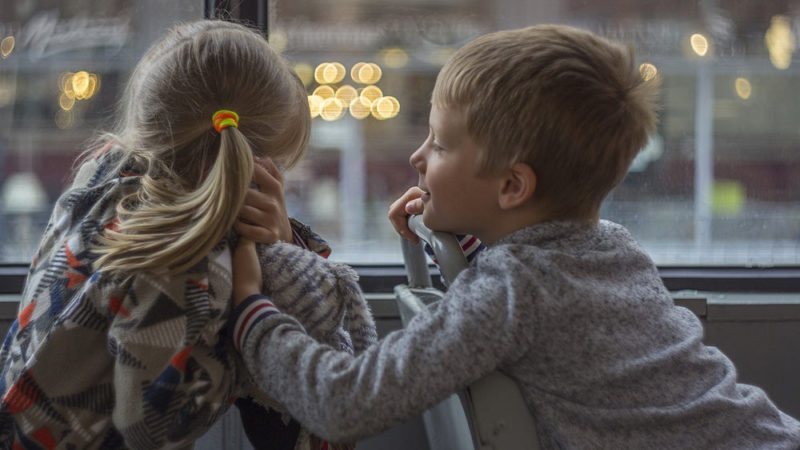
(517, 186)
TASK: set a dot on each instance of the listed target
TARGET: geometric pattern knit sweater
(96, 360)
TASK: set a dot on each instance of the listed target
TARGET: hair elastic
(224, 118)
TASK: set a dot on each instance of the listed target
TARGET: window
(63, 66)
(715, 186)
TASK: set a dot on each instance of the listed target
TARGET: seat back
(490, 414)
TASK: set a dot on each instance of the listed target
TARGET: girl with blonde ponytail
(121, 339)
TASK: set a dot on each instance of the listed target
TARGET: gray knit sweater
(577, 314)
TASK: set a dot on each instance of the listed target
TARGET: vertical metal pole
(704, 154)
(352, 181)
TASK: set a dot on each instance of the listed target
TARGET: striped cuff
(470, 245)
(251, 311)
(298, 240)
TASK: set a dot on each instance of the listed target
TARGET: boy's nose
(416, 160)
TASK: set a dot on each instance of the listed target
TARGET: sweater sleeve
(172, 375)
(343, 397)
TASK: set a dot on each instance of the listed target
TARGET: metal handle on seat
(446, 249)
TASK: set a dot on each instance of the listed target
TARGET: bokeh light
(331, 109)
(371, 93)
(346, 94)
(324, 91)
(648, 71)
(360, 108)
(394, 57)
(7, 46)
(743, 88)
(315, 105)
(385, 108)
(780, 42)
(699, 44)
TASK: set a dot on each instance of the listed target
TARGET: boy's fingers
(415, 206)
(399, 220)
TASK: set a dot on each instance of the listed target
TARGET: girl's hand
(246, 271)
(263, 217)
(408, 204)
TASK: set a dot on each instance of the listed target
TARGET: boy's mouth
(426, 193)
(426, 196)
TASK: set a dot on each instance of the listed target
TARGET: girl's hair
(193, 179)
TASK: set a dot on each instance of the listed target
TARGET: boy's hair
(563, 100)
(194, 179)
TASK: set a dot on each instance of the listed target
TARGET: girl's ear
(517, 186)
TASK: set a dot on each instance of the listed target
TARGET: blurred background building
(717, 184)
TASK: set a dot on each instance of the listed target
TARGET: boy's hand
(246, 271)
(263, 217)
(408, 204)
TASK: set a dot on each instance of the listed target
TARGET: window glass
(716, 185)
(62, 68)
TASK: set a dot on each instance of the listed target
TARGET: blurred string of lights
(332, 100)
(74, 87)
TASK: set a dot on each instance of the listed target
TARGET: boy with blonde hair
(530, 130)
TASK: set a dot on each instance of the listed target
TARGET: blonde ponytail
(160, 231)
(193, 178)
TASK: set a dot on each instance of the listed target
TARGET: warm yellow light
(360, 107)
(780, 60)
(369, 73)
(329, 73)
(7, 46)
(371, 93)
(385, 108)
(64, 79)
(780, 42)
(66, 102)
(341, 72)
(365, 74)
(319, 76)
(648, 71)
(346, 94)
(94, 84)
(80, 84)
(324, 91)
(315, 105)
(304, 72)
(699, 44)
(394, 57)
(355, 70)
(331, 109)
(743, 88)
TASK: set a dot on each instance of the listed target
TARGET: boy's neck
(510, 221)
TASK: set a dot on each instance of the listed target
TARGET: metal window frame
(383, 278)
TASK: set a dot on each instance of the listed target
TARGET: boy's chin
(432, 222)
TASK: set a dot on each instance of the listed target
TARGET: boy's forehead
(444, 119)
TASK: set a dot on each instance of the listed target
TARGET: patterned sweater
(576, 314)
(102, 361)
